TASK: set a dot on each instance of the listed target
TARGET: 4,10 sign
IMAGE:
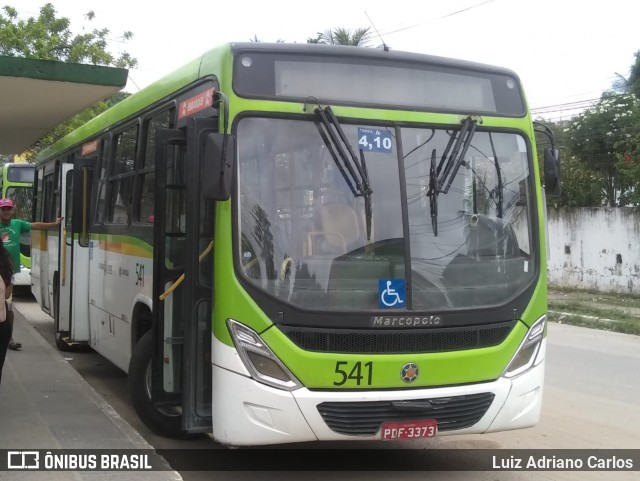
(374, 140)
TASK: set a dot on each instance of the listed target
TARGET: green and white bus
(17, 185)
(285, 243)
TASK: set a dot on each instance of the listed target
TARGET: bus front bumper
(246, 412)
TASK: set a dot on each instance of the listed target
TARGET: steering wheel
(287, 270)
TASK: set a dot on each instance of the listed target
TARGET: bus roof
(201, 66)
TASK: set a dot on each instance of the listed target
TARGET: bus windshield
(302, 235)
(23, 199)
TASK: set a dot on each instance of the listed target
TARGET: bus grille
(349, 341)
(365, 418)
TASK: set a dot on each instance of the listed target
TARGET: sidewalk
(46, 404)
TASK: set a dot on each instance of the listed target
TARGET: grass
(586, 315)
(625, 300)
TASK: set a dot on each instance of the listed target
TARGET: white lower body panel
(246, 412)
(22, 278)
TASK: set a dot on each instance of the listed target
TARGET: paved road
(591, 397)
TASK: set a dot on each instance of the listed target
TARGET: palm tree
(255, 39)
(342, 36)
(634, 75)
(630, 84)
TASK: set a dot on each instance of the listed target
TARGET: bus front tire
(164, 421)
(61, 344)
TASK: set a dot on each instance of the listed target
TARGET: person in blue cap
(10, 230)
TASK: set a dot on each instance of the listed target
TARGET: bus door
(72, 313)
(183, 276)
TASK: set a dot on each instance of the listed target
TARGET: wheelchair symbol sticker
(391, 293)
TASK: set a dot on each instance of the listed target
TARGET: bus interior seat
(493, 261)
(338, 228)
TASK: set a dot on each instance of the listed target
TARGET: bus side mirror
(552, 171)
(217, 166)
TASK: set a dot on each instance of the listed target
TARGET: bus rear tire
(164, 421)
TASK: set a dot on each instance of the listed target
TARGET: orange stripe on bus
(124, 248)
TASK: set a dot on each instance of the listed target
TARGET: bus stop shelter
(37, 95)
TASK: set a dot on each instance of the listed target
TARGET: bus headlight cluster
(260, 361)
(528, 354)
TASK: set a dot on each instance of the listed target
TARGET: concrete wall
(595, 248)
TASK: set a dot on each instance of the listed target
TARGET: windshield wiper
(353, 171)
(433, 201)
(441, 178)
(499, 187)
(453, 162)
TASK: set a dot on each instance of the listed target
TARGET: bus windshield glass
(302, 233)
(23, 199)
(20, 174)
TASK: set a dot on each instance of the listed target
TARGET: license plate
(426, 428)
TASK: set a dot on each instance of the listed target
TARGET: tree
(601, 162)
(342, 36)
(580, 183)
(628, 157)
(628, 145)
(634, 76)
(73, 123)
(48, 37)
(599, 137)
(255, 39)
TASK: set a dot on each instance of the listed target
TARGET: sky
(564, 51)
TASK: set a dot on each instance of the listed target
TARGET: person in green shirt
(10, 230)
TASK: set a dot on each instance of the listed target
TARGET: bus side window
(147, 171)
(101, 184)
(39, 199)
(68, 215)
(85, 217)
(48, 198)
(122, 175)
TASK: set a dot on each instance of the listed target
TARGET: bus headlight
(527, 354)
(260, 361)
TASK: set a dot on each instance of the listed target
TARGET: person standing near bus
(6, 326)
(10, 230)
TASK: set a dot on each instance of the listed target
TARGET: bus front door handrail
(180, 279)
(64, 256)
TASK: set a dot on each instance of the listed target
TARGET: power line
(577, 102)
(439, 18)
(568, 110)
(384, 45)
(567, 105)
